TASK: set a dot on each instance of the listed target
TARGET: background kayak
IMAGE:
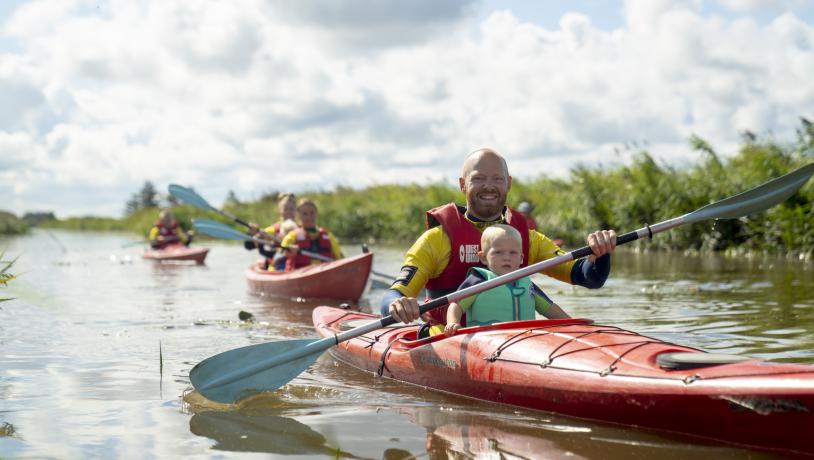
(343, 279)
(177, 252)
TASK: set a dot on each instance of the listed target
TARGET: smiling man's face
(486, 182)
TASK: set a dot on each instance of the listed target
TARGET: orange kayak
(176, 253)
(343, 279)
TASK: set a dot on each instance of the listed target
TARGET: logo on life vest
(468, 253)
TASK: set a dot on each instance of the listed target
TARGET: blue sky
(264, 95)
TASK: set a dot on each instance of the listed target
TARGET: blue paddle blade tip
(236, 374)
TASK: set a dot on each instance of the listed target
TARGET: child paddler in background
(309, 237)
(501, 252)
(443, 254)
(165, 232)
(287, 209)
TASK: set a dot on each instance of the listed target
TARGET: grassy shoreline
(11, 224)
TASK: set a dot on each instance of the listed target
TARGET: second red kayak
(577, 368)
(342, 279)
(177, 252)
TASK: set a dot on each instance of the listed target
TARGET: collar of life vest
(482, 224)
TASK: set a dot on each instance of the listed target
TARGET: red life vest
(321, 245)
(464, 239)
(532, 223)
(169, 232)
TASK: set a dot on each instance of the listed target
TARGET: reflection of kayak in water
(475, 432)
(237, 432)
(573, 367)
(452, 434)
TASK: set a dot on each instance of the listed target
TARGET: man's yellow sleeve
(427, 258)
(542, 248)
(153, 234)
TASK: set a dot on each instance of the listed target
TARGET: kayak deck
(574, 367)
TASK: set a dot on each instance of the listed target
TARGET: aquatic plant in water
(5, 276)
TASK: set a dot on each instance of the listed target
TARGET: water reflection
(261, 433)
(464, 434)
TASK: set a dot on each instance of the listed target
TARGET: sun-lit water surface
(97, 347)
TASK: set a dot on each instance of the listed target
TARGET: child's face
(504, 256)
(287, 209)
(307, 215)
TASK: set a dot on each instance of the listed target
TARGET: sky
(97, 97)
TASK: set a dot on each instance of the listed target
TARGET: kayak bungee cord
(576, 335)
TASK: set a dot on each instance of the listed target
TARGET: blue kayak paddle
(236, 374)
(218, 230)
(189, 196)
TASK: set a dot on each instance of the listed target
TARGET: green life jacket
(509, 302)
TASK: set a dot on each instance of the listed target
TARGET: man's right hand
(253, 229)
(404, 309)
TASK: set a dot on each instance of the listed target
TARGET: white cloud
(257, 96)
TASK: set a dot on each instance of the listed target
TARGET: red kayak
(342, 279)
(177, 252)
(577, 368)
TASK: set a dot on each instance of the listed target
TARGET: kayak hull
(343, 279)
(573, 367)
(177, 253)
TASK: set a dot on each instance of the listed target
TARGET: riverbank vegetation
(619, 197)
(11, 224)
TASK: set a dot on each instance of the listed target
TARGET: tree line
(620, 197)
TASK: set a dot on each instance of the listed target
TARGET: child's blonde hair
(496, 231)
(306, 202)
(283, 197)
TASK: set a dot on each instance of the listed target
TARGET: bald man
(443, 254)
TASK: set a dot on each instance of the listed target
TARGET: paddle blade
(755, 200)
(189, 196)
(277, 363)
(219, 230)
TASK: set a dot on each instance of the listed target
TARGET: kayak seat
(693, 360)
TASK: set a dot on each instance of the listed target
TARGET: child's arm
(545, 306)
(454, 313)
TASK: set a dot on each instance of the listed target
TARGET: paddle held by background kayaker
(443, 254)
(287, 209)
(501, 252)
(165, 232)
(309, 237)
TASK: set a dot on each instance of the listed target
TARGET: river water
(98, 344)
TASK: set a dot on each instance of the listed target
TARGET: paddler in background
(165, 232)
(309, 237)
(526, 208)
(443, 254)
(287, 209)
